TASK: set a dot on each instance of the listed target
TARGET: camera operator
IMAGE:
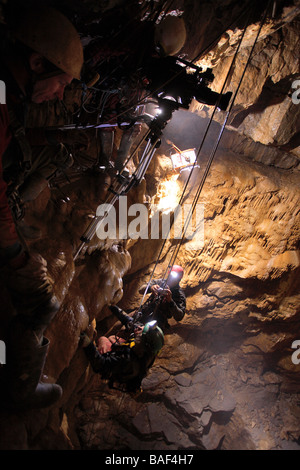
(167, 300)
(120, 64)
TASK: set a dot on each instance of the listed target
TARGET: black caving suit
(141, 68)
(123, 364)
(155, 308)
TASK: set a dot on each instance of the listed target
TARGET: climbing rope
(212, 155)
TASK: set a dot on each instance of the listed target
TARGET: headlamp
(173, 274)
(152, 323)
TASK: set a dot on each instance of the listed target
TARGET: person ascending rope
(167, 300)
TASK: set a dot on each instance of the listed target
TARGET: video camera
(162, 291)
(170, 81)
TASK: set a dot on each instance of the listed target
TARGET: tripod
(124, 182)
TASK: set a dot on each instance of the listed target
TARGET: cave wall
(225, 378)
(225, 371)
(231, 374)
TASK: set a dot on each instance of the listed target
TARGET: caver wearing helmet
(170, 35)
(167, 299)
(40, 56)
(175, 275)
(128, 58)
(43, 55)
(55, 52)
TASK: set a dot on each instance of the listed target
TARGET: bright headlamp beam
(173, 274)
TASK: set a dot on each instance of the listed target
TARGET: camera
(168, 80)
(162, 291)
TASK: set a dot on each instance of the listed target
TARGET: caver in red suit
(44, 56)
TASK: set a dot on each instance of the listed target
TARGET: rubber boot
(26, 356)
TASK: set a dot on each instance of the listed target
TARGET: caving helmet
(153, 337)
(170, 35)
(49, 33)
(176, 272)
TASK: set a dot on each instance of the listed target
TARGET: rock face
(227, 377)
(226, 369)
